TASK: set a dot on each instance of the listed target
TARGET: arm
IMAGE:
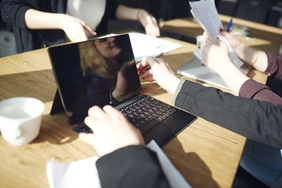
(274, 68)
(132, 166)
(74, 28)
(256, 120)
(254, 90)
(251, 56)
(124, 161)
(238, 82)
(13, 12)
(147, 20)
(222, 64)
(23, 15)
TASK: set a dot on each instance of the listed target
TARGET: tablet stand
(57, 104)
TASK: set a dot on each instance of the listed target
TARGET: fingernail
(220, 30)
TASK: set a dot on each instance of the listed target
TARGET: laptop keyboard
(144, 114)
(147, 112)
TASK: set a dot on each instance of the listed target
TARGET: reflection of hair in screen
(92, 62)
(107, 72)
(99, 77)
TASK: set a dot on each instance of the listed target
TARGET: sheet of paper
(83, 173)
(206, 15)
(145, 46)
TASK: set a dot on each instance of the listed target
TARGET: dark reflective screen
(96, 72)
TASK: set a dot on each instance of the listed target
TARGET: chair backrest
(253, 10)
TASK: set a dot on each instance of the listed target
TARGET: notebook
(103, 71)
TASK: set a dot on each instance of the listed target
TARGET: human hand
(149, 23)
(160, 72)
(111, 130)
(126, 82)
(215, 56)
(75, 29)
(233, 40)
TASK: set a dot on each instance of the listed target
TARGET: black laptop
(103, 71)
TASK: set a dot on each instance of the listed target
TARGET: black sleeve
(13, 12)
(132, 166)
(256, 120)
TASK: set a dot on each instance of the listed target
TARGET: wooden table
(267, 38)
(206, 154)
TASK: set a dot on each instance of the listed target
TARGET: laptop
(103, 71)
(198, 71)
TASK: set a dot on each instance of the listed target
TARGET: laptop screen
(95, 72)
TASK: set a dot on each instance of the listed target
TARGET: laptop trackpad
(161, 134)
(179, 121)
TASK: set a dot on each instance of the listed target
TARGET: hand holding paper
(206, 15)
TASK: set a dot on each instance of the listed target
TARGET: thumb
(149, 60)
(221, 43)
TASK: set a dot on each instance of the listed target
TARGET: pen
(229, 25)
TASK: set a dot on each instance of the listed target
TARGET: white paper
(146, 46)
(206, 15)
(173, 176)
(83, 173)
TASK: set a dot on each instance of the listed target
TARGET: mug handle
(17, 131)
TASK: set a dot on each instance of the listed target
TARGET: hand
(76, 29)
(111, 130)
(215, 56)
(233, 40)
(149, 23)
(160, 72)
(126, 80)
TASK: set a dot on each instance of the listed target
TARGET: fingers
(112, 111)
(87, 28)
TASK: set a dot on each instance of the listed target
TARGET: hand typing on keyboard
(111, 130)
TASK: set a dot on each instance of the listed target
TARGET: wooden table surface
(206, 154)
(267, 38)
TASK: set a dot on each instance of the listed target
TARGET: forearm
(128, 13)
(252, 56)
(132, 166)
(232, 76)
(256, 120)
(42, 20)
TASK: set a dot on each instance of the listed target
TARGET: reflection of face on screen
(109, 48)
(109, 70)
(93, 72)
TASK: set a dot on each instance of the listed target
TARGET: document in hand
(205, 13)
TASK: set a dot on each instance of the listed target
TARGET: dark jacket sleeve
(256, 120)
(13, 12)
(132, 166)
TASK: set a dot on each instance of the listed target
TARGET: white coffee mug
(20, 119)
